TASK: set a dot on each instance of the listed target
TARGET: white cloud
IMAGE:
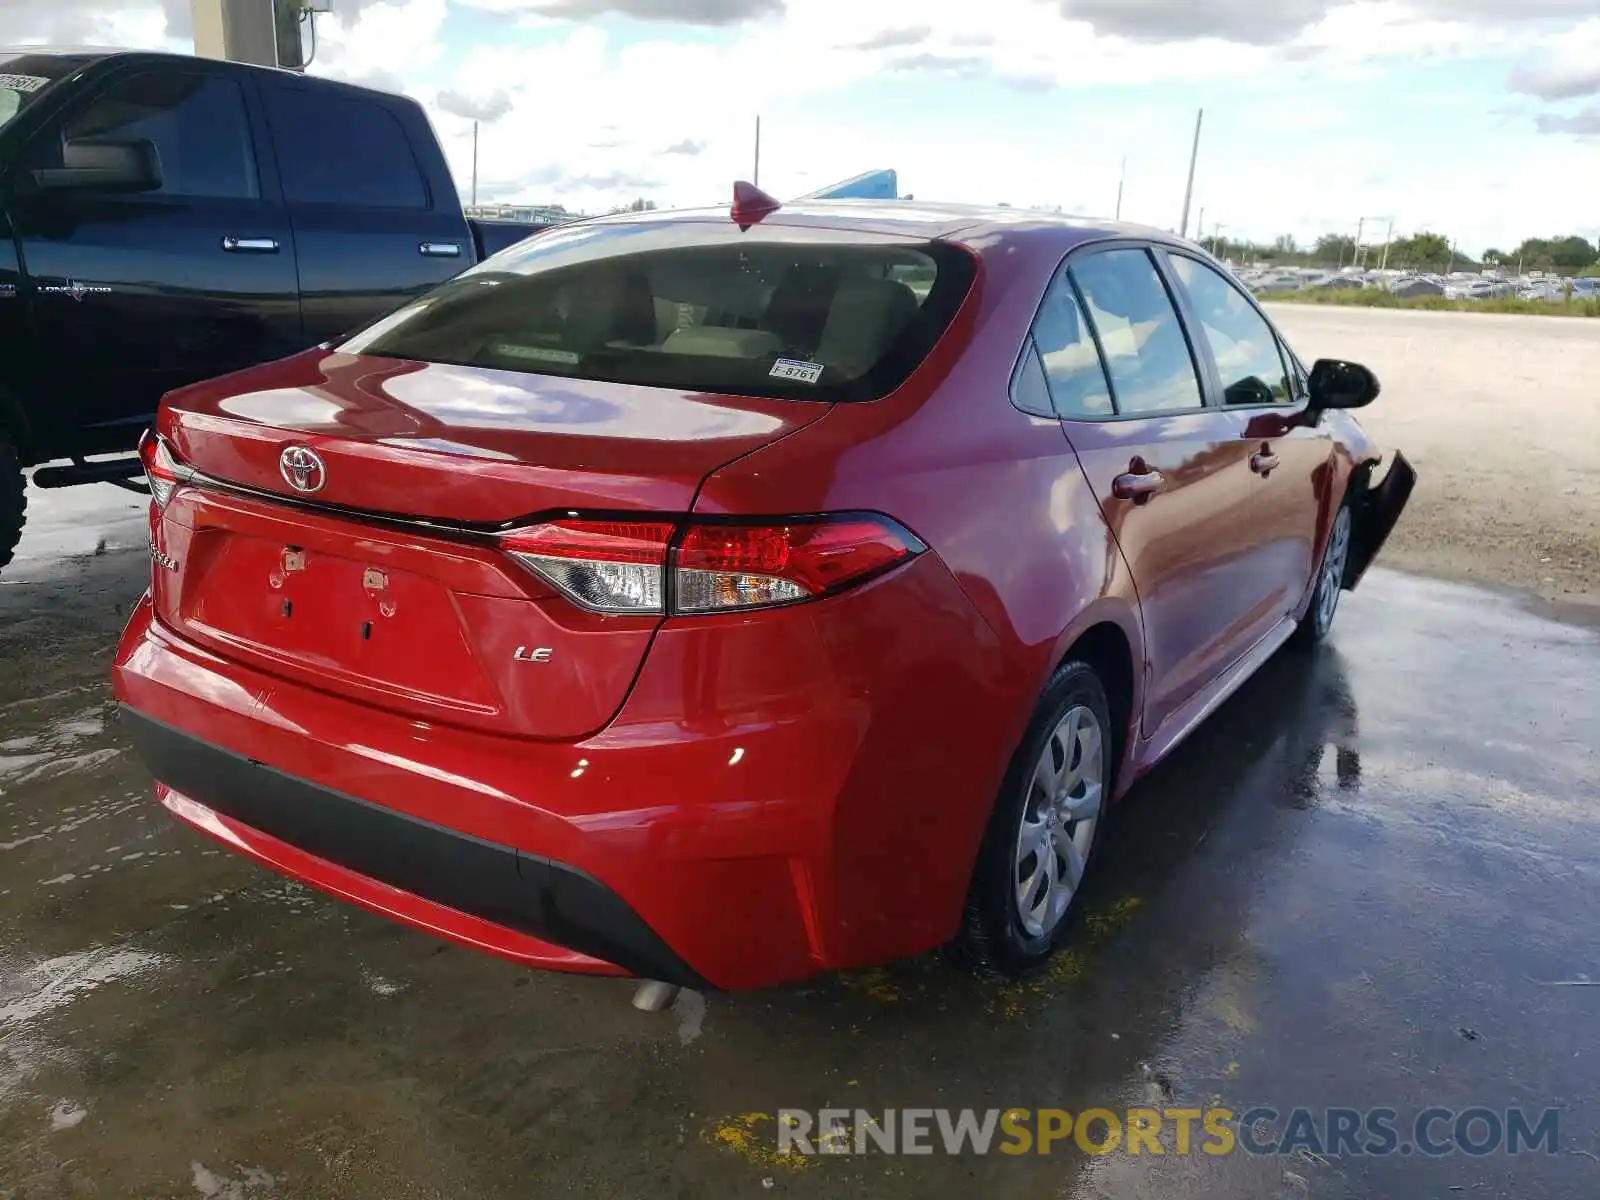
(575, 112)
(1565, 68)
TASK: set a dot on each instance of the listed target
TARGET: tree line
(1424, 251)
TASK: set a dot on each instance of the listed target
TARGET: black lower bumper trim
(549, 900)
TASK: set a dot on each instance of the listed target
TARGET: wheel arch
(1110, 640)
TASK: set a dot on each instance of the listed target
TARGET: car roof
(979, 227)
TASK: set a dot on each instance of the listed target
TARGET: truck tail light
(633, 566)
(159, 469)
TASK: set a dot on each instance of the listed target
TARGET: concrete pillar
(264, 32)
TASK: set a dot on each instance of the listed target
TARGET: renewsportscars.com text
(1330, 1132)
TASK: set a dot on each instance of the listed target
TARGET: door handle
(239, 245)
(440, 249)
(1263, 462)
(1138, 484)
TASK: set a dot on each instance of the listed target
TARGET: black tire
(993, 937)
(13, 500)
(1314, 626)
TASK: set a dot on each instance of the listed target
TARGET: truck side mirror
(103, 165)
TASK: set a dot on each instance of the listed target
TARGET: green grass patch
(1380, 298)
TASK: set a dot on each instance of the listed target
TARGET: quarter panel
(996, 493)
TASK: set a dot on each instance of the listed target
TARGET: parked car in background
(729, 597)
(1416, 285)
(169, 219)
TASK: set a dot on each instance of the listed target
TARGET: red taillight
(159, 470)
(623, 566)
(606, 566)
(752, 566)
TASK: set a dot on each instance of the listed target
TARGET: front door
(1291, 460)
(132, 295)
(1169, 470)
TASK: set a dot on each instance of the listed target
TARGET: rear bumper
(374, 856)
(778, 796)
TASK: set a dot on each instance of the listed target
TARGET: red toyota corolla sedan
(723, 598)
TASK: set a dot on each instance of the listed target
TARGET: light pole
(1121, 179)
(1216, 238)
(1361, 250)
(1188, 191)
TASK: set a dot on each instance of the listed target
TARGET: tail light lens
(605, 566)
(752, 566)
(159, 469)
(625, 566)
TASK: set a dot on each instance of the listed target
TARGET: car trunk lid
(384, 582)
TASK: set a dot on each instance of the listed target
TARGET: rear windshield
(783, 311)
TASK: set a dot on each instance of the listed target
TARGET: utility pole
(1216, 238)
(756, 176)
(474, 162)
(1388, 237)
(1188, 191)
(263, 32)
(1199, 225)
(1121, 179)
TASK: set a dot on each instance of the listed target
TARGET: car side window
(335, 149)
(1146, 353)
(1242, 343)
(1029, 392)
(196, 123)
(1072, 366)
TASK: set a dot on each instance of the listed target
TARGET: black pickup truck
(165, 219)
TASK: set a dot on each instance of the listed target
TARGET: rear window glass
(787, 312)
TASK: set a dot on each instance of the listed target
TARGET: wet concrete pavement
(1369, 880)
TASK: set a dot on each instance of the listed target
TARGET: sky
(1478, 119)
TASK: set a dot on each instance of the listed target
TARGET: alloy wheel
(1333, 565)
(1065, 795)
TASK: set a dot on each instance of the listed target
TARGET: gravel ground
(1501, 417)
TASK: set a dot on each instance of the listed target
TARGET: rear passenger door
(1290, 461)
(373, 225)
(1167, 469)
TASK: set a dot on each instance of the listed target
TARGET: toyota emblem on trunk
(302, 469)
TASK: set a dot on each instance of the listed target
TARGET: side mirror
(103, 165)
(1335, 383)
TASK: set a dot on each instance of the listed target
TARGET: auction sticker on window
(536, 353)
(22, 83)
(796, 369)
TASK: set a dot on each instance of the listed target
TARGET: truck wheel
(13, 499)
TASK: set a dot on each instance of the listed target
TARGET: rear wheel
(1042, 834)
(13, 500)
(1330, 581)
